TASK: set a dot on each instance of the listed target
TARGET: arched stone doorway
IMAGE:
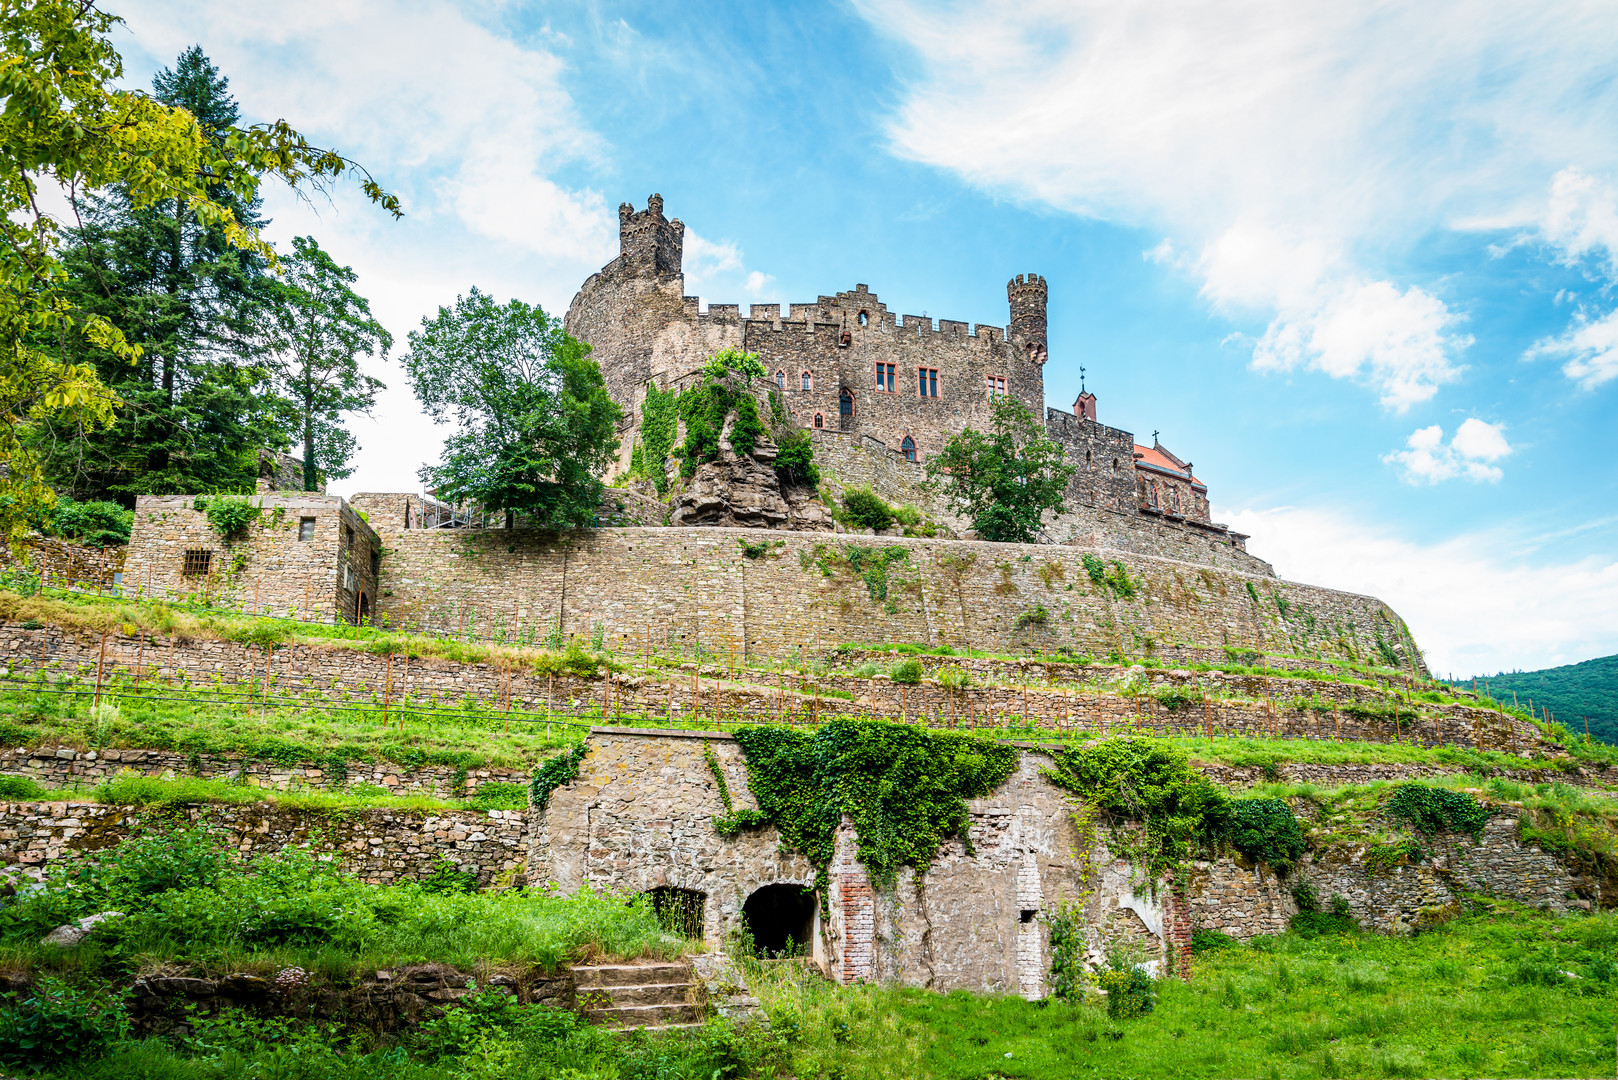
(781, 919)
(679, 911)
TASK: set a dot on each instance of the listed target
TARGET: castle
(847, 367)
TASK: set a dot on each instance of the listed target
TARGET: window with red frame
(884, 377)
(927, 381)
(909, 448)
(996, 385)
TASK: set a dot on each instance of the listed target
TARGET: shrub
(19, 788)
(907, 671)
(1130, 993)
(56, 1024)
(498, 795)
(1207, 941)
(795, 460)
(95, 524)
(954, 677)
(1430, 810)
(1266, 831)
(866, 510)
(229, 515)
(446, 880)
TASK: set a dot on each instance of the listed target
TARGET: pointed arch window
(807, 381)
(909, 448)
(820, 421)
(845, 402)
(781, 380)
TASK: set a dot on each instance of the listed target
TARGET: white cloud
(1581, 219)
(1590, 347)
(1298, 151)
(1474, 604)
(717, 272)
(1470, 454)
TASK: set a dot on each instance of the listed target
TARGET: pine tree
(197, 405)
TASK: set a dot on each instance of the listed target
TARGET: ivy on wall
(1161, 811)
(905, 788)
(559, 770)
(732, 821)
(725, 389)
(1430, 810)
(659, 421)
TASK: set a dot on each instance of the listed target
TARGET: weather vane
(1081, 378)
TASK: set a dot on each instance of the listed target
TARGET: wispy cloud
(1470, 454)
(1580, 226)
(1472, 603)
(1291, 155)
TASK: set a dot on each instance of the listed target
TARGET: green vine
(732, 821)
(1266, 831)
(559, 770)
(229, 515)
(905, 788)
(705, 408)
(871, 566)
(1115, 581)
(659, 421)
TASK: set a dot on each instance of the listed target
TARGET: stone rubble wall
(1244, 901)
(311, 673)
(690, 587)
(65, 562)
(66, 767)
(383, 847)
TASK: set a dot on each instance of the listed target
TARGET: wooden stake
(100, 666)
(387, 689)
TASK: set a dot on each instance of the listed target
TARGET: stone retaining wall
(690, 587)
(378, 846)
(64, 766)
(1244, 901)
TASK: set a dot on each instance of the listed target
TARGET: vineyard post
(387, 689)
(100, 667)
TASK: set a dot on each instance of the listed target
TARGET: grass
(195, 904)
(128, 789)
(1479, 996)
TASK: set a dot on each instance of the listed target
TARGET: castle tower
(648, 242)
(1027, 297)
(1085, 407)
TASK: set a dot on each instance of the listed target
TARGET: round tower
(1027, 295)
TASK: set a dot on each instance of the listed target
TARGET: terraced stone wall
(691, 587)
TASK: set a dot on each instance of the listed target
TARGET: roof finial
(1154, 436)
(1081, 378)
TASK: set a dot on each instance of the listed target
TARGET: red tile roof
(1148, 455)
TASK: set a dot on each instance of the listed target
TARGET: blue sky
(1358, 265)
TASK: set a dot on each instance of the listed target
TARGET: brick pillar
(1177, 928)
(851, 885)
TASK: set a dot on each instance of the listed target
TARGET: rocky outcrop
(743, 491)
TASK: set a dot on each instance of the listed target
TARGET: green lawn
(1480, 996)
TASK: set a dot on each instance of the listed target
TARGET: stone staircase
(654, 996)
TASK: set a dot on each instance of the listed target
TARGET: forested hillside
(1572, 693)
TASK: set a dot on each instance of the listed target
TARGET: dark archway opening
(781, 919)
(678, 911)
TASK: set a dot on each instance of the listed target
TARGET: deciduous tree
(537, 429)
(1004, 479)
(63, 123)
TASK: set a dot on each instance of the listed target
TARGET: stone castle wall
(271, 569)
(67, 563)
(690, 586)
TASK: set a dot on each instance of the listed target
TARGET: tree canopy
(321, 328)
(536, 427)
(1004, 479)
(63, 123)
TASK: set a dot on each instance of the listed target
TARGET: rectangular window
(927, 381)
(376, 565)
(884, 377)
(306, 529)
(198, 561)
(996, 385)
(348, 538)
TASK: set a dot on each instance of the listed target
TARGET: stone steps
(656, 997)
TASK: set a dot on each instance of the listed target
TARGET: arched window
(1174, 494)
(865, 318)
(1088, 462)
(845, 402)
(807, 381)
(909, 448)
(780, 380)
(820, 421)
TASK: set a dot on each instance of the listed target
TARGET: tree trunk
(311, 481)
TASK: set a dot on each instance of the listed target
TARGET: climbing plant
(229, 515)
(871, 564)
(905, 788)
(1158, 808)
(1115, 581)
(659, 421)
(726, 388)
(732, 821)
(559, 770)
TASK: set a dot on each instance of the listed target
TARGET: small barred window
(198, 561)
